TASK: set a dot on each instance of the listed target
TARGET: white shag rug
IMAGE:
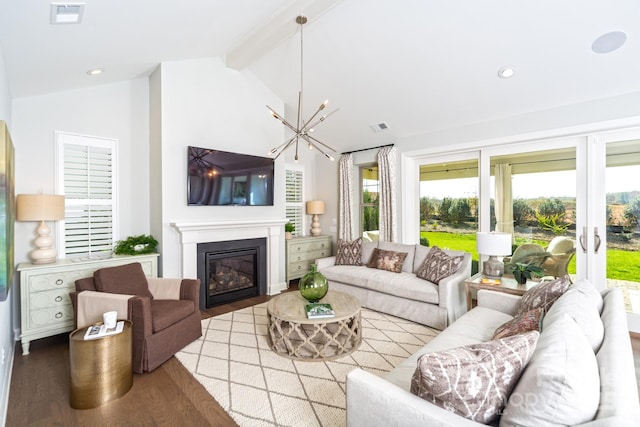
(258, 387)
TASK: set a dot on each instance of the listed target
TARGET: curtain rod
(371, 148)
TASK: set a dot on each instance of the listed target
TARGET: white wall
(202, 103)
(7, 341)
(120, 111)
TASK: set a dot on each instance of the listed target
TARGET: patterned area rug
(257, 387)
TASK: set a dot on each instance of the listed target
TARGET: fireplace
(231, 270)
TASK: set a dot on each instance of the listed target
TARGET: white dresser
(303, 251)
(44, 292)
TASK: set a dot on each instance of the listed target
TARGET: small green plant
(424, 241)
(136, 245)
(289, 227)
(522, 271)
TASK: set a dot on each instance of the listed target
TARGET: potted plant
(523, 271)
(288, 229)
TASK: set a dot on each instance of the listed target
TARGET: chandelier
(303, 128)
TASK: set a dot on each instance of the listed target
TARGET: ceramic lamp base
(44, 253)
(315, 225)
(493, 267)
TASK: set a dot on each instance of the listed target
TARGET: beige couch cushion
(405, 285)
(578, 303)
(561, 383)
(475, 327)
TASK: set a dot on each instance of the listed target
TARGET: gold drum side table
(101, 368)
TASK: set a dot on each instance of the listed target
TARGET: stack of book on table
(319, 311)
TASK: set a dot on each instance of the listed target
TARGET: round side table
(101, 368)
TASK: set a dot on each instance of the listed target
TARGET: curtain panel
(504, 199)
(387, 196)
(345, 202)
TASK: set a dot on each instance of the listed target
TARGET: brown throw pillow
(387, 260)
(474, 381)
(543, 295)
(438, 265)
(349, 253)
(126, 279)
(525, 322)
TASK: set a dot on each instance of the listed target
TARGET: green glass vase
(313, 285)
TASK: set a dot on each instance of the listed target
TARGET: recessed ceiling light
(609, 42)
(506, 72)
(95, 71)
(66, 13)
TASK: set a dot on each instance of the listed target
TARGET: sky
(528, 186)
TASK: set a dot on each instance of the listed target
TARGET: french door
(610, 241)
(592, 181)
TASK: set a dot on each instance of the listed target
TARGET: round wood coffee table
(292, 335)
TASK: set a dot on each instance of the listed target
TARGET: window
(293, 199)
(86, 176)
(369, 203)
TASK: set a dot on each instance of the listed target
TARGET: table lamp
(41, 207)
(493, 244)
(315, 208)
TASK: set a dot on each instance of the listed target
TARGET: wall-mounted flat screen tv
(221, 178)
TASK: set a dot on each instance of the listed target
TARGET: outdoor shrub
(443, 209)
(632, 212)
(424, 241)
(550, 207)
(522, 212)
(553, 223)
(459, 211)
(427, 208)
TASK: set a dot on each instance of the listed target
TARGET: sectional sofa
(402, 294)
(581, 371)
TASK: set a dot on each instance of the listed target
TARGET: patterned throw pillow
(438, 265)
(349, 253)
(387, 260)
(474, 381)
(543, 295)
(525, 322)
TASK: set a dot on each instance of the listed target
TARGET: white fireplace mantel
(192, 233)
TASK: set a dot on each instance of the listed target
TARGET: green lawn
(621, 265)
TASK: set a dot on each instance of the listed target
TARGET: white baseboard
(276, 288)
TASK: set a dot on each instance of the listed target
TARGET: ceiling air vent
(66, 13)
(379, 127)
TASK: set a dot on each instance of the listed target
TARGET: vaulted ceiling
(417, 65)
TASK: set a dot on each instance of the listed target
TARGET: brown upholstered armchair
(165, 312)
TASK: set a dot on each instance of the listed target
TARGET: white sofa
(402, 294)
(375, 401)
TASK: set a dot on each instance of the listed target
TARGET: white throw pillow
(580, 306)
(561, 383)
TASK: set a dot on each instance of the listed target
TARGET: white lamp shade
(39, 207)
(497, 244)
(315, 207)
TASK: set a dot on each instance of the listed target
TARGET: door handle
(596, 239)
(583, 240)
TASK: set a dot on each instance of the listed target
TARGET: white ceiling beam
(274, 31)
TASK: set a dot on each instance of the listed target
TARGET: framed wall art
(7, 210)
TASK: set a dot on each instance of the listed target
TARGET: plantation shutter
(293, 200)
(88, 186)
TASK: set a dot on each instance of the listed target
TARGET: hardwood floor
(168, 396)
